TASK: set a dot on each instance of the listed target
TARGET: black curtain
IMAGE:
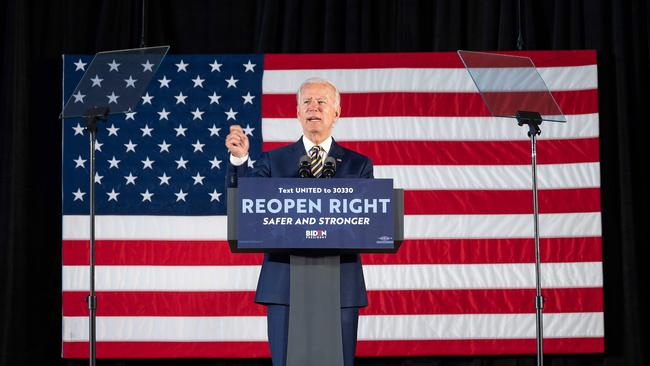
(36, 33)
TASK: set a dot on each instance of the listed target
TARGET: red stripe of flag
(561, 151)
(164, 303)
(475, 202)
(414, 60)
(418, 347)
(486, 251)
(423, 104)
(130, 350)
(424, 347)
(488, 301)
(152, 252)
(423, 251)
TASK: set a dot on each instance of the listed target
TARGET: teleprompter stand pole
(533, 120)
(92, 116)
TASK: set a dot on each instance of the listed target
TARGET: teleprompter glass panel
(115, 79)
(509, 84)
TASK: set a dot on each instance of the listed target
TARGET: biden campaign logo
(315, 234)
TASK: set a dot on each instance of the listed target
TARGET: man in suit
(318, 109)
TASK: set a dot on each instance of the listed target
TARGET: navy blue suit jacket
(273, 284)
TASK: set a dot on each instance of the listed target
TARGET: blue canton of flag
(167, 155)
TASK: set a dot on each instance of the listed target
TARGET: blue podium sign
(340, 214)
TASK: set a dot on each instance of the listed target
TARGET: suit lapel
(289, 166)
(298, 149)
(337, 152)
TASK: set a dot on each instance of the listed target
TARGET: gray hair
(337, 95)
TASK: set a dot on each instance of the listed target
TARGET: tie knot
(314, 151)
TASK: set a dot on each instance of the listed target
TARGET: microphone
(329, 167)
(304, 167)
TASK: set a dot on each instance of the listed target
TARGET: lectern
(315, 221)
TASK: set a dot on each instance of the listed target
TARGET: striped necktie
(316, 161)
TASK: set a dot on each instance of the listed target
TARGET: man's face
(316, 110)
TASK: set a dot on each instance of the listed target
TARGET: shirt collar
(325, 145)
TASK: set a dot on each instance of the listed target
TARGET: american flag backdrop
(461, 284)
